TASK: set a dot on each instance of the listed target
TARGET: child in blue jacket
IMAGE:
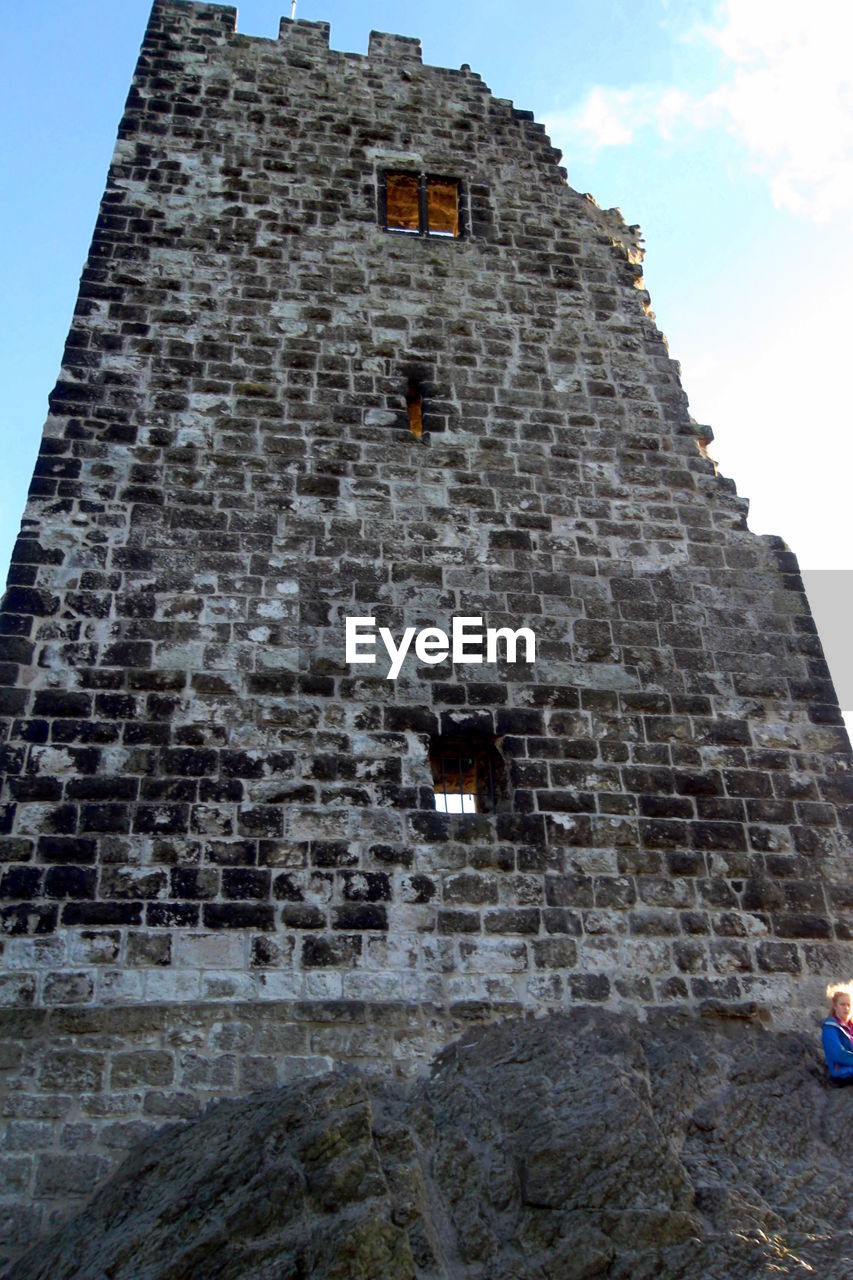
(837, 1036)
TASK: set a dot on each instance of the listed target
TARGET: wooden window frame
(424, 179)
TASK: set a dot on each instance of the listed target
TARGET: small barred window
(467, 774)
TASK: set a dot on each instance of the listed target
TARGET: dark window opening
(420, 205)
(467, 774)
(415, 406)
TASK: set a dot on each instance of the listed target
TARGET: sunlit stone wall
(223, 862)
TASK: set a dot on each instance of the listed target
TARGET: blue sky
(724, 129)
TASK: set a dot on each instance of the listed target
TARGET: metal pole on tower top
(292, 9)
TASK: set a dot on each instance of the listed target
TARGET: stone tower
(347, 346)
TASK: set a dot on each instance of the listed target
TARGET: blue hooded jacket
(838, 1048)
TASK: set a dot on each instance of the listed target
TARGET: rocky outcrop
(583, 1145)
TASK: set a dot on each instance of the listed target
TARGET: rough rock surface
(584, 1145)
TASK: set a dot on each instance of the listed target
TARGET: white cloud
(611, 117)
(607, 118)
(786, 94)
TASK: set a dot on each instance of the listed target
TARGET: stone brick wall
(90, 1083)
(208, 814)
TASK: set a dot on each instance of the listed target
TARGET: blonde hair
(835, 994)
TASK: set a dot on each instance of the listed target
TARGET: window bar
(423, 204)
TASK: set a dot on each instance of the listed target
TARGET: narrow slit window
(418, 204)
(415, 406)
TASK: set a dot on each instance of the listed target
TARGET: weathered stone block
(15, 1174)
(62, 1175)
(143, 1067)
(145, 949)
(778, 957)
(73, 1069)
